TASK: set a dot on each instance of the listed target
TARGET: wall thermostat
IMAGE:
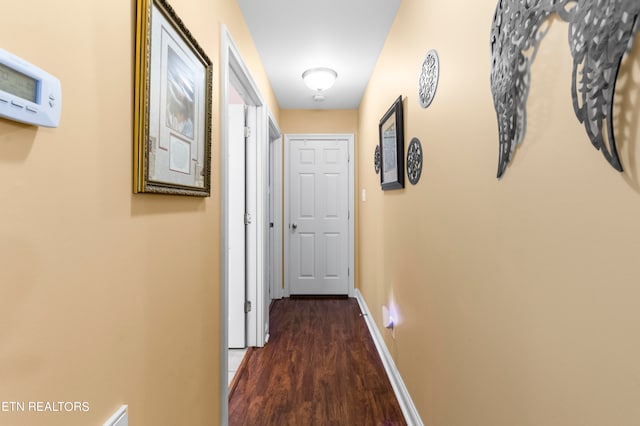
(27, 93)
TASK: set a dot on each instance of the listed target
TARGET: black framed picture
(392, 147)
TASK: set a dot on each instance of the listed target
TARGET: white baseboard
(119, 418)
(402, 394)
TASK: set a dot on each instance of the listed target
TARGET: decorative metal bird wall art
(600, 32)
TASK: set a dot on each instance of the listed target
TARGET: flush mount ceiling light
(319, 79)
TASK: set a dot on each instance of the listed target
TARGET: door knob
(294, 226)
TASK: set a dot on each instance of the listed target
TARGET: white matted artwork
(389, 152)
(391, 137)
(180, 156)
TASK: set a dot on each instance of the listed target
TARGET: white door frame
(287, 180)
(232, 66)
(275, 169)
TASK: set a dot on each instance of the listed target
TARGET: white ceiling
(294, 35)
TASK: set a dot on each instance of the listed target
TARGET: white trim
(233, 67)
(402, 394)
(262, 222)
(119, 418)
(352, 216)
(287, 158)
(285, 215)
(274, 129)
(275, 137)
(224, 225)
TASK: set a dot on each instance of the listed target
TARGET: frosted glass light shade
(319, 79)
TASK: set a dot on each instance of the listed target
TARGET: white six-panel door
(318, 225)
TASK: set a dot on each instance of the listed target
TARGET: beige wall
(105, 296)
(318, 121)
(518, 299)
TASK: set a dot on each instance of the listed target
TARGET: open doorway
(256, 135)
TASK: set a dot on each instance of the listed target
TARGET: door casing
(233, 67)
(275, 207)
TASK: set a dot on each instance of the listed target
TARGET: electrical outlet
(388, 321)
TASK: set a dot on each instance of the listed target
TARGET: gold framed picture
(173, 101)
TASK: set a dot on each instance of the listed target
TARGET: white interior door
(319, 216)
(236, 209)
(254, 226)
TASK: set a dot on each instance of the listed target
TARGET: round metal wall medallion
(428, 81)
(376, 159)
(414, 161)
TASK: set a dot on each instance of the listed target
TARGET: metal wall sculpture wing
(516, 31)
(600, 32)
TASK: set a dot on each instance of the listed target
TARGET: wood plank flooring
(320, 367)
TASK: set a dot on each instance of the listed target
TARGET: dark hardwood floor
(320, 367)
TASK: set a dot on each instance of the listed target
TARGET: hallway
(320, 367)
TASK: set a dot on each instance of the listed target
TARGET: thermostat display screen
(18, 84)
